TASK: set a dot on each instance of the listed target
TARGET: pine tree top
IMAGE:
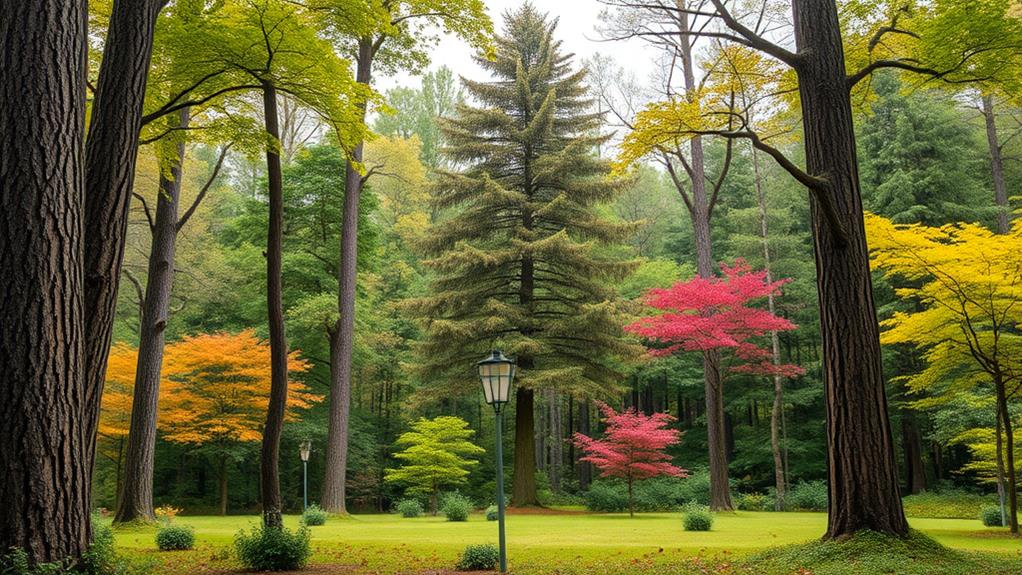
(523, 254)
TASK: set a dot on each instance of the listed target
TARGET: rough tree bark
(44, 452)
(996, 166)
(110, 152)
(270, 455)
(863, 476)
(342, 337)
(523, 486)
(136, 501)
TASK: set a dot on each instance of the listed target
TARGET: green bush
(409, 508)
(697, 517)
(606, 496)
(492, 513)
(479, 558)
(175, 538)
(807, 496)
(755, 502)
(991, 516)
(314, 515)
(456, 507)
(945, 504)
(267, 549)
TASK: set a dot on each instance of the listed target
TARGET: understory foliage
(633, 447)
(437, 454)
(479, 558)
(273, 549)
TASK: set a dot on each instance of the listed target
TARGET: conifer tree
(519, 252)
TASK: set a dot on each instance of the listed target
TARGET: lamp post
(497, 373)
(304, 451)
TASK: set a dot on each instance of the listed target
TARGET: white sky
(576, 29)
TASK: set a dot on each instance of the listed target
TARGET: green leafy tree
(436, 455)
(518, 258)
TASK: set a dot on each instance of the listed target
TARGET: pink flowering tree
(633, 447)
(706, 314)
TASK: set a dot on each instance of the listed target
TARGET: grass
(576, 543)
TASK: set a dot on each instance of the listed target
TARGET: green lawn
(582, 543)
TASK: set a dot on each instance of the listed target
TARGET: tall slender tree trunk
(997, 167)
(270, 456)
(585, 470)
(222, 485)
(775, 343)
(556, 441)
(862, 469)
(912, 445)
(136, 502)
(44, 449)
(1001, 488)
(110, 151)
(342, 340)
(1009, 457)
(700, 211)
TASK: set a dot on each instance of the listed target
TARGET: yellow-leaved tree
(966, 285)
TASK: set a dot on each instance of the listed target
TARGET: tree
(115, 414)
(858, 431)
(110, 152)
(436, 455)
(670, 27)
(966, 286)
(633, 448)
(276, 44)
(519, 255)
(44, 447)
(391, 35)
(215, 391)
(716, 314)
(136, 501)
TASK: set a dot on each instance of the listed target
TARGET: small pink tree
(705, 314)
(633, 447)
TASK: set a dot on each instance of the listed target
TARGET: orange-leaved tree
(216, 393)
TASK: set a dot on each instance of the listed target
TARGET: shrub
(175, 538)
(697, 518)
(268, 549)
(991, 516)
(314, 515)
(456, 507)
(606, 496)
(409, 508)
(166, 513)
(100, 559)
(479, 558)
(754, 502)
(807, 496)
(492, 514)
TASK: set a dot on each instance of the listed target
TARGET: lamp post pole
(304, 451)
(497, 373)
(500, 486)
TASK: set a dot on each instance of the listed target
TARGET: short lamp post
(497, 373)
(304, 451)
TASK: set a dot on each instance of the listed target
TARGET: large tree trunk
(270, 456)
(997, 167)
(862, 469)
(1009, 446)
(523, 485)
(136, 502)
(342, 340)
(110, 152)
(44, 454)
